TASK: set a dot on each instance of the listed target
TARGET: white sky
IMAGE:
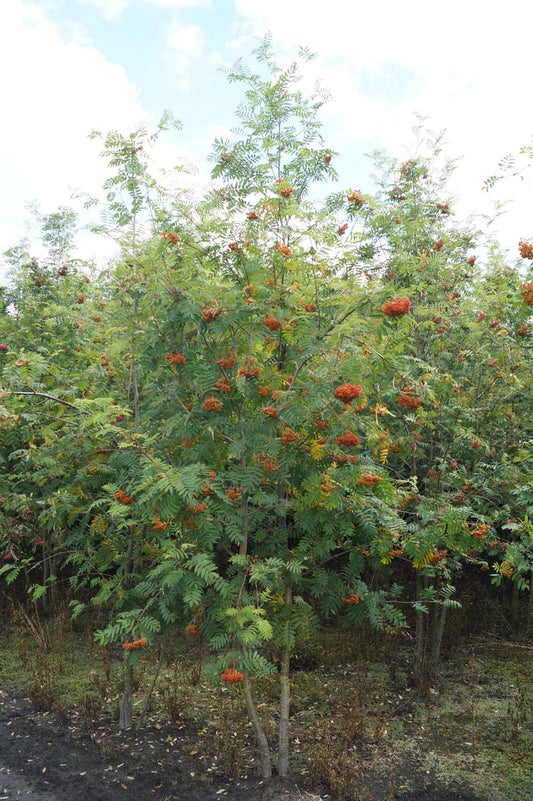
(69, 66)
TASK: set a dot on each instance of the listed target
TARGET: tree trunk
(260, 736)
(420, 642)
(285, 701)
(515, 608)
(530, 605)
(125, 719)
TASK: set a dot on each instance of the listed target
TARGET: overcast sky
(69, 66)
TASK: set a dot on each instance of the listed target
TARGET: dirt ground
(44, 759)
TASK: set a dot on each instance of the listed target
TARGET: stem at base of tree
(285, 702)
(125, 719)
(260, 736)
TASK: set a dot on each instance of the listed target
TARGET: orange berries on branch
(285, 250)
(223, 386)
(234, 493)
(251, 371)
(171, 237)
(270, 411)
(526, 249)
(438, 557)
(231, 676)
(522, 332)
(289, 436)
(356, 198)
(212, 405)
(227, 362)
(160, 525)
(369, 480)
(175, 358)
(348, 440)
(526, 291)
(121, 497)
(135, 645)
(347, 392)
(81, 299)
(210, 313)
(272, 323)
(252, 215)
(341, 230)
(397, 307)
(408, 400)
(192, 630)
(480, 532)
(354, 598)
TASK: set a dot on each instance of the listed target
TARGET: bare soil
(44, 759)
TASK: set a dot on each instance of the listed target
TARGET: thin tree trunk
(530, 604)
(125, 719)
(515, 608)
(260, 736)
(420, 640)
(126, 712)
(285, 701)
(437, 637)
(146, 704)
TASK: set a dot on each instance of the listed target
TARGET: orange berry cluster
(348, 440)
(479, 532)
(354, 598)
(121, 497)
(234, 493)
(192, 630)
(347, 392)
(285, 250)
(172, 238)
(223, 386)
(397, 307)
(271, 322)
(197, 510)
(231, 676)
(160, 525)
(212, 405)
(252, 215)
(175, 358)
(209, 313)
(438, 557)
(270, 411)
(526, 250)
(289, 436)
(342, 229)
(527, 292)
(309, 307)
(227, 362)
(233, 246)
(249, 372)
(269, 465)
(356, 198)
(523, 330)
(438, 245)
(368, 480)
(408, 399)
(135, 645)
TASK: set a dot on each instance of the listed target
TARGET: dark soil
(45, 759)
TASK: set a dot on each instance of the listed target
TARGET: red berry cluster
(135, 645)
(348, 440)
(231, 676)
(347, 392)
(397, 307)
